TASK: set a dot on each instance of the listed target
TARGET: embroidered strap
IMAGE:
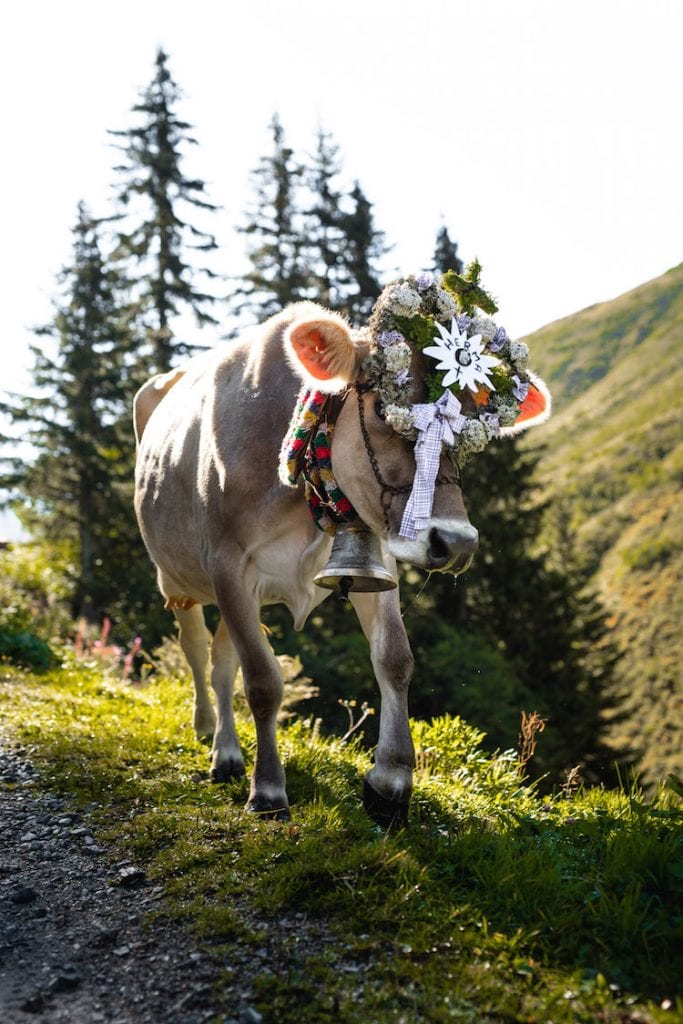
(307, 450)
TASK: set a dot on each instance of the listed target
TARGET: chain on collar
(390, 491)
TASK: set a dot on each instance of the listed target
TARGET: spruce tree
(274, 232)
(323, 231)
(530, 609)
(77, 421)
(364, 247)
(155, 198)
(446, 253)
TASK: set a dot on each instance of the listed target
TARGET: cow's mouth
(446, 546)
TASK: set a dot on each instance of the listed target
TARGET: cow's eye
(379, 411)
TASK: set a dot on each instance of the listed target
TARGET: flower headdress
(486, 382)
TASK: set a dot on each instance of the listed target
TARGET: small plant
(354, 725)
(532, 725)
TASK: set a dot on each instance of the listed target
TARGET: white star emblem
(463, 358)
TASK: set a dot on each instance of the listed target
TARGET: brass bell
(355, 563)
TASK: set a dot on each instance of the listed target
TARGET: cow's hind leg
(194, 638)
(263, 687)
(226, 757)
(389, 783)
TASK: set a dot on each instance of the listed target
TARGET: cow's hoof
(227, 771)
(387, 813)
(267, 811)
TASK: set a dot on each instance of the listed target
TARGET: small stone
(250, 1016)
(23, 895)
(33, 1003)
(122, 951)
(105, 933)
(131, 877)
(64, 980)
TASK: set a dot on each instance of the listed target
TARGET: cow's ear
(534, 409)
(322, 352)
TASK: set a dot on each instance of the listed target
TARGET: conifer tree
(275, 235)
(77, 421)
(364, 247)
(446, 253)
(535, 613)
(155, 198)
(323, 226)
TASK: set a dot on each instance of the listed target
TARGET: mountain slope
(614, 467)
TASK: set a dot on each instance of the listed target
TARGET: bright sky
(546, 135)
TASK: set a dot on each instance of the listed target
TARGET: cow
(223, 529)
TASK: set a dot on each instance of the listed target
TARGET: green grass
(494, 905)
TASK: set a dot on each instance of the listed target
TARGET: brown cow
(222, 529)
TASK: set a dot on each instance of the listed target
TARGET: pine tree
(446, 253)
(324, 234)
(77, 422)
(152, 198)
(364, 246)
(275, 235)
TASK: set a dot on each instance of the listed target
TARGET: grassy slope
(495, 905)
(615, 461)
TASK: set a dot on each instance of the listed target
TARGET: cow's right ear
(322, 352)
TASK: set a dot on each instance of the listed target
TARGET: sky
(545, 135)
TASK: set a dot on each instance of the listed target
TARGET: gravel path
(73, 941)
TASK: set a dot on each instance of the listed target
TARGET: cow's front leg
(263, 687)
(226, 757)
(389, 783)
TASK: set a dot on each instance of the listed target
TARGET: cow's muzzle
(451, 549)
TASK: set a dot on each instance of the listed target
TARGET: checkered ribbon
(437, 423)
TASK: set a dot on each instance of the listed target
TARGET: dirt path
(74, 945)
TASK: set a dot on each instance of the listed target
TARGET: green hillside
(614, 466)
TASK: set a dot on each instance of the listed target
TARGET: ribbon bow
(437, 423)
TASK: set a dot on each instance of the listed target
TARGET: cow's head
(402, 432)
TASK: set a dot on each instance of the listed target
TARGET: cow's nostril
(452, 550)
(440, 550)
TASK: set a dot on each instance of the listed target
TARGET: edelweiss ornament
(463, 357)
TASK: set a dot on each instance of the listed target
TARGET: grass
(494, 905)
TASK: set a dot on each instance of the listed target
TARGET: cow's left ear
(534, 409)
(321, 350)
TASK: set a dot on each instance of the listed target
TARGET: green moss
(467, 290)
(418, 329)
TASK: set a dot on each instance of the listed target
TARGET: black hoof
(267, 812)
(387, 813)
(227, 771)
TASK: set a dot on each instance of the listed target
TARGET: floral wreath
(479, 389)
(486, 381)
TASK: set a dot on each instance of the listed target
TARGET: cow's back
(206, 471)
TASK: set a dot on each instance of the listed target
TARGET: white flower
(400, 418)
(445, 303)
(519, 354)
(463, 358)
(397, 357)
(485, 326)
(403, 300)
(473, 438)
(507, 409)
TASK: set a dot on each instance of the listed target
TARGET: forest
(523, 632)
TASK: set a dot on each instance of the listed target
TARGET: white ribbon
(437, 423)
